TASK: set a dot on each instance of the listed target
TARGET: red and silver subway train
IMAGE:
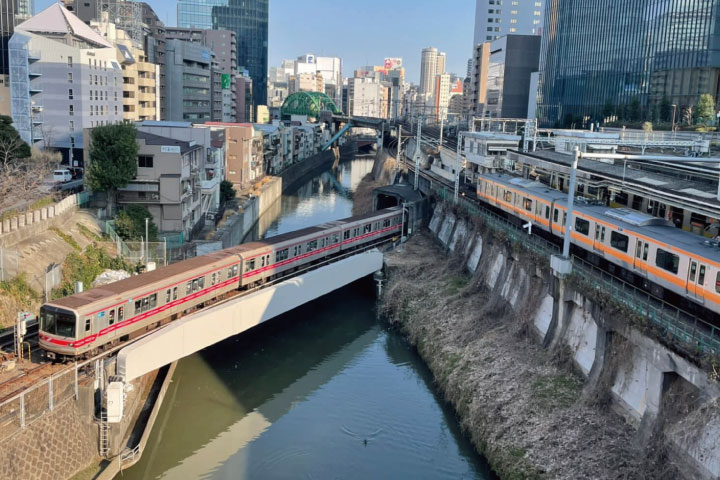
(86, 322)
(651, 248)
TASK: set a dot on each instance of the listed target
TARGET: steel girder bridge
(308, 103)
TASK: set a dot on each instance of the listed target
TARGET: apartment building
(167, 183)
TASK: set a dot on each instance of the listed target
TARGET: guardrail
(685, 330)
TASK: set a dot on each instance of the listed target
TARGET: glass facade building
(248, 19)
(633, 53)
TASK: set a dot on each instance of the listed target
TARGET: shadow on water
(323, 391)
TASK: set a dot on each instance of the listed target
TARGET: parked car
(63, 175)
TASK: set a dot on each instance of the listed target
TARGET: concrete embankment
(548, 381)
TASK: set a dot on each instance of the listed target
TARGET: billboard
(393, 63)
(225, 81)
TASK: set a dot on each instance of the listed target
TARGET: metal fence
(21, 410)
(683, 329)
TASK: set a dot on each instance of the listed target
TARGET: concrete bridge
(207, 327)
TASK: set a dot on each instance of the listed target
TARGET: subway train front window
(57, 322)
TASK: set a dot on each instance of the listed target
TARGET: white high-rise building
(428, 70)
(365, 97)
(64, 77)
(330, 68)
(494, 19)
(440, 64)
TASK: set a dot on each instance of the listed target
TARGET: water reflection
(324, 391)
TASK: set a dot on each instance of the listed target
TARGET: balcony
(210, 184)
(35, 90)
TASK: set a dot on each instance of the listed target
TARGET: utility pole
(457, 169)
(147, 243)
(399, 142)
(442, 125)
(417, 154)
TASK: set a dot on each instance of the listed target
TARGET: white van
(62, 175)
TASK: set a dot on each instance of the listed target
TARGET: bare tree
(9, 146)
(22, 180)
(688, 114)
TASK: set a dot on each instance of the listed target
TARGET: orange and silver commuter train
(86, 322)
(651, 248)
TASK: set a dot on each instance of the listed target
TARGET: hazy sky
(362, 32)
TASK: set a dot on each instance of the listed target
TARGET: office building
(248, 19)
(64, 77)
(223, 44)
(428, 70)
(641, 53)
(495, 18)
(441, 96)
(188, 81)
(12, 12)
(365, 97)
(503, 76)
(244, 97)
(306, 82)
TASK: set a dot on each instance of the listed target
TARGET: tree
(22, 179)
(634, 109)
(705, 109)
(12, 147)
(608, 110)
(130, 224)
(113, 159)
(665, 110)
(227, 191)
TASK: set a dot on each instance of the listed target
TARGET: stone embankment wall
(546, 380)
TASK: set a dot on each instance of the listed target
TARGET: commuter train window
(281, 255)
(346, 234)
(386, 223)
(701, 275)
(174, 293)
(638, 249)
(377, 226)
(235, 268)
(645, 252)
(547, 212)
(145, 303)
(249, 265)
(527, 203)
(619, 241)
(508, 196)
(121, 313)
(138, 306)
(564, 218)
(367, 228)
(335, 238)
(195, 285)
(312, 246)
(717, 283)
(87, 324)
(212, 280)
(555, 215)
(201, 283)
(188, 288)
(693, 271)
(667, 261)
(167, 296)
(582, 226)
(262, 263)
(111, 317)
(153, 300)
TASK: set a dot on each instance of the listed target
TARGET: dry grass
(522, 407)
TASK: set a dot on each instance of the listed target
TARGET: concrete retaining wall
(29, 224)
(566, 318)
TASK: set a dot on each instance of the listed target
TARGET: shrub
(130, 224)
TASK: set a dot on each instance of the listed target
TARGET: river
(325, 391)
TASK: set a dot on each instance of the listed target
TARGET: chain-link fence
(9, 263)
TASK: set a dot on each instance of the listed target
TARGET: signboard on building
(226, 81)
(170, 149)
(393, 63)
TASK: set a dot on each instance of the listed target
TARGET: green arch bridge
(308, 103)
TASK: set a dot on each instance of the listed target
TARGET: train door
(599, 237)
(697, 272)
(641, 255)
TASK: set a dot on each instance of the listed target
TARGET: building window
(70, 62)
(145, 161)
(71, 126)
(71, 110)
(69, 77)
(70, 94)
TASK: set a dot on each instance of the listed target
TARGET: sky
(361, 32)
